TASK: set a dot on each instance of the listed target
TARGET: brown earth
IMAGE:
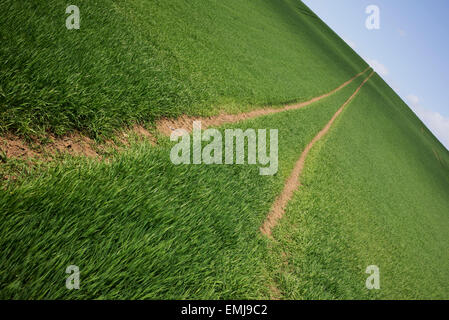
(75, 144)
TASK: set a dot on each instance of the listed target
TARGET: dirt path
(77, 144)
(166, 126)
(74, 143)
(293, 182)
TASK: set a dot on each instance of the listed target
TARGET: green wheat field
(374, 191)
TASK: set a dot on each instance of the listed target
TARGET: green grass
(374, 190)
(139, 60)
(141, 227)
(373, 194)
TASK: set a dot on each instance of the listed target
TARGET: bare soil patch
(76, 144)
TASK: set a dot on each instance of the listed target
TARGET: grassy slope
(140, 227)
(374, 194)
(139, 60)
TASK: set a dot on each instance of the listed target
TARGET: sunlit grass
(141, 227)
(373, 194)
(135, 61)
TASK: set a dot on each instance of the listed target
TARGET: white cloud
(436, 122)
(378, 67)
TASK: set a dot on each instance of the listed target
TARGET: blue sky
(410, 50)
